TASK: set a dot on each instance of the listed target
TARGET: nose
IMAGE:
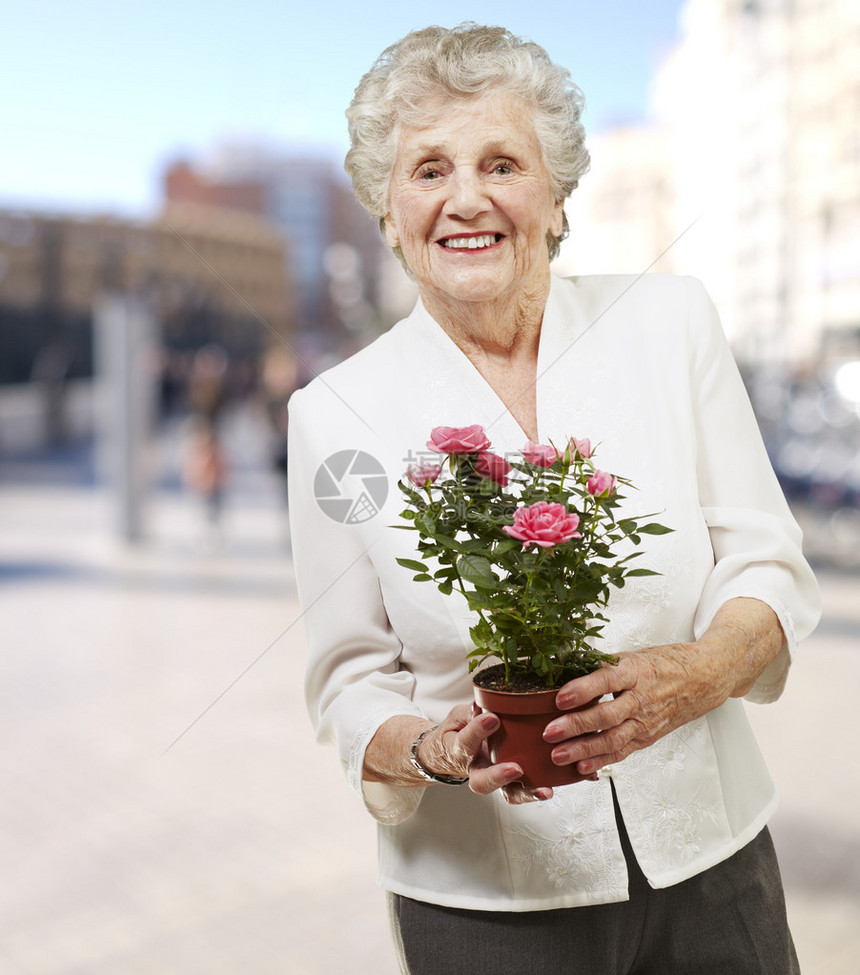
(467, 195)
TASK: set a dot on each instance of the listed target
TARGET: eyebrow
(491, 149)
(427, 150)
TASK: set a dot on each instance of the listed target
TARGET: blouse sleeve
(756, 541)
(353, 681)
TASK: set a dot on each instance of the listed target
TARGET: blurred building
(336, 259)
(220, 277)
(750, 175)
(621, 216)
(211, 276)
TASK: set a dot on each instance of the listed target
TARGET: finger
(483, 781)
(517, 794)
(607, 714)
(469, 740)
(606, 680)
(591, 752)
(583, 690)
(459, 740)
(480, 728)
(458, 718)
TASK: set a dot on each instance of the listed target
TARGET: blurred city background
(179, 251)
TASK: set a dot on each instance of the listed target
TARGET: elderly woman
(465, 144)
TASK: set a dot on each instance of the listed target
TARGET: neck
(505, 327)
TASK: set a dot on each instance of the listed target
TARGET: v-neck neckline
(503, 419)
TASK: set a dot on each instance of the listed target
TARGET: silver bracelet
(425, 773)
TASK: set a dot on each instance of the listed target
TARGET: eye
(503, 166)
(428, 172)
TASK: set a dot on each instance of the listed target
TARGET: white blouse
(640, 366)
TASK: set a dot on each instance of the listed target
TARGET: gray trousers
(729, 920)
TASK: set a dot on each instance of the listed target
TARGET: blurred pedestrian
(207, 383)
(205, 473)
(278, 381)
(205, 465)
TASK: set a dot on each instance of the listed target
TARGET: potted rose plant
(534, 544)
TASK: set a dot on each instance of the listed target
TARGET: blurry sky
(97, 95)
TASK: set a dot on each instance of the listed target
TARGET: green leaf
(477, 570)
(653, 528)
(481, 632)
(412, 564)
(642, 572)
(473, 545)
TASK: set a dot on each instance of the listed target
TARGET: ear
(390, 227)
(556, 223)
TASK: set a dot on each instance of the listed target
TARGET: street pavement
(165, 809)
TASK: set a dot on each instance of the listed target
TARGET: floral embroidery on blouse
(572, 852)
(676, 826)
(674, 821)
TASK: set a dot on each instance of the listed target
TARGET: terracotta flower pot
(524, 716)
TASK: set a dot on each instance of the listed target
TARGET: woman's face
(470, 201)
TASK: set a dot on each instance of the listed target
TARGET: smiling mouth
(473, 243)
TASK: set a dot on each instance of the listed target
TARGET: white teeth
(471, 243)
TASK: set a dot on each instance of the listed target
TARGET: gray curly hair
(458, 63)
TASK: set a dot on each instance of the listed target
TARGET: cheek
(410, 224)
(414, 218)
(408, 234)
(534, 215)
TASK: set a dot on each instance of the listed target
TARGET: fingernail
(553, 734)
(564, 701)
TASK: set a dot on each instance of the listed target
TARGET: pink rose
(493, 467)
(581, 447)
(601, 484)
(539, 454)
(423, 474)
(458, 440)
(545, 524)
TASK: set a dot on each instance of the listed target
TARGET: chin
(473, 288)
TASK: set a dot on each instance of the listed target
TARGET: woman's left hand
(656, 690)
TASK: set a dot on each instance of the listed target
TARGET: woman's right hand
(456, 747)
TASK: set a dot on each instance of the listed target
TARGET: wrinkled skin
(654, 691)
